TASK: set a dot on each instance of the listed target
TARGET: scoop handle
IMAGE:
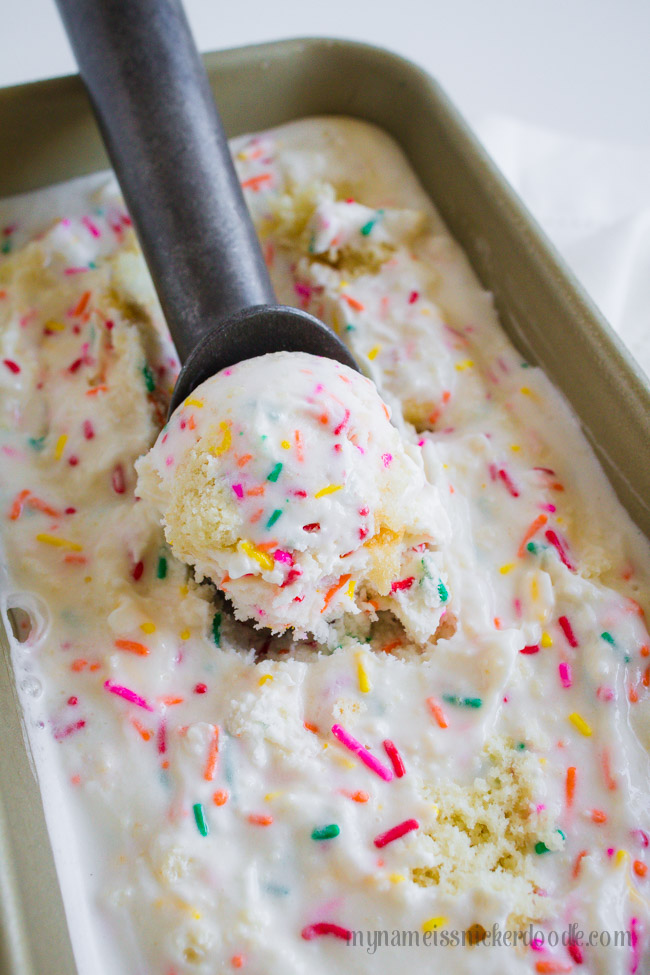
(157, 115)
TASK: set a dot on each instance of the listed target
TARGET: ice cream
(283, 481)
(241, 801)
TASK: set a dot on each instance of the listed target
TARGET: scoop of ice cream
(283, 480)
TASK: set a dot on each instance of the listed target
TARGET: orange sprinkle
(570, 785)
(168, 701)
(576, 865)
(73, 559)
(132, 646)
(78, 664)
(82, 303)
(333, 591)
(358, 796)
(645, 650)
(311, 727)
(298, 438)
(598, 816)
(532, 529)
(437, 712)
(258, 819)
(256, 516)
(446, 396)
(391, 646)
(191, 422)
(256, 491)
(94, 667)
(220, 797)
(497, 622)
(238, 961)
(75, 779)
(633, 697)
(97, 389)
(254, 182)
(43, 506)
(17, 506)
(611, 783)
(552, 967)
(213, 752)
(646, 677)
(244, 459)
(265, 546)
(353, 303)
(144, 733)
(640, 868)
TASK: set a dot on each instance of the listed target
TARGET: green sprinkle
(161, 571)
(521, 745)
(608, 638)
(442, 591)
(367, 227)
(216, 628)
(563, 835)
(325, 832)
(463, 702)
(525, 365)
(531, 547)
(350, 328)
(199, 817)
(6, 246)
(37, 442)
(541, 848)
(274, 517)
(92, 265)
(149, 381)
(275, 473)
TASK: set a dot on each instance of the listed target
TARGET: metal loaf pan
(47, 134)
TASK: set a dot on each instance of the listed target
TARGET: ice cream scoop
(163, 134)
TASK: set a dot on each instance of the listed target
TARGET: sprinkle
(374, 352)
(533, 648)
(198, 403)
(330, 489)
(570, 785)
(353, 303)
(325, 832)
(395, 758)
(118, 480)
(138, 569)
(274, 517)
(437, 712)
(275, 473)
(598, 816)
(199, 818)
(413, 297)
(127, 694)
(131, 646)
(402, 584)
(541, 848)
(216, 629)
(578, 862)
(161, 571)
(505, 477)
(350, 590)
(434, 923)
(220, 797)
(226, 441)
(551, 537)
(258, 819)
(442, 591)
(547, 640)
(565, 674)
(69, 730)
(334, 589)
(60, 446)
(149, 381)
(567, 629)
(254, 182)
(200, 688)
(463, 702)
(607, 772)
(362, 753)
(58, 542)
(323, 928)
(264, 679)
(395, 833)
(552, 968)
(579, 722)
(342, 425)
(532, 530)
(608, 638)
(358, 796)
(362, 674)
(213, 753)
(18, 504)
(640, 868)
(262, 558)
(12, 366)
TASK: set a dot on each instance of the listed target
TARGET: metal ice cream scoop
(155, 109)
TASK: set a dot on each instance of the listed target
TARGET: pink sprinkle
(127, 694)
(533, 648)
(548, 507)
(88, 430)
(239, 490)
(394, 834)
(537, 944)
(169, 461)
(402, 584)
(12, 366)
(73, 701)
(69, 730)
(324, 927)
(610, 851)
(604, 693)
(395, 758)
(507, 480)
(421, 443)
(138, 569)
(75, 270)
(299, 494)
(342, 425)
(364, 511)
(90, 226)
(413, 297)
(117, 479)
(73, 461)
(75, 366)
(567, 629)
(200, 688)
(302, 289)
(551, 537)
(634, 939)
(364, 755)
(387, 458)
(281, 556)
(161, 738)
(641, 836)
(70, 511)
(565, 674)
(576, 952)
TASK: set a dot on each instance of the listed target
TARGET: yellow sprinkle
(547, 640)
(350, 589)
(621, 857)
(59, 542)
(374, 352)
(435, 808)
(60, 446)
(425, 311)
(330, 489)
(465, 364)
(534, 588)
(226, 441)
(53, 326)
(515, 447)
(262, 558)
(196, 915)
(285, 445)
(579, 722)
(272, 795)
(88, 578)
(185, 635)
(525, 390)
(505, 569)
(343, 284)
(362, 674)
(148, 627)
(336, 322)
(396, 878)
(264, 679)
(183, 590)
(434, 923)
(194, 402)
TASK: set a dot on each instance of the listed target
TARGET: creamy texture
(283, 481)
(227, 814)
